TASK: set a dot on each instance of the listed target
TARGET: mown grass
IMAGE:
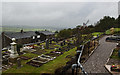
(115, 30)
(97, 33)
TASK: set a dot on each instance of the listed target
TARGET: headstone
(43, 47)
(47, 44)
(5, 59)
(59, 48)
(61, 44)
(55, 48)
(74, 42)
(13, 51)
(69, 44)
(57, 40)
(64, 42)
(19, 63)
(50, 41)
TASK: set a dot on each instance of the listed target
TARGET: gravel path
(96, 62)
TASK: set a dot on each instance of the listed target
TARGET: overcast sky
(56, 14)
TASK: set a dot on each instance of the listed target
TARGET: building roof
(47, 32)
(18, 35)
(27, 34)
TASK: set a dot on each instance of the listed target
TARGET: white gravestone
(13, 50)
(43, 47)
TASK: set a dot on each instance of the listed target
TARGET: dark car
(114, 39)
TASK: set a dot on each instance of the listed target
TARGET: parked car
(118, 44)
(115, 68)
(114, 39)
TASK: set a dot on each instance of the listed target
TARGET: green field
(10, 29)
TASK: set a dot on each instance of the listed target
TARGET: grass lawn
(115, 54)
(115, 29)
(97, 33)
(49, 67)
(30, 55)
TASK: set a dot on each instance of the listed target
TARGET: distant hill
(28, 28)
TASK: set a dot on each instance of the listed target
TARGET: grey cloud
(62, 14)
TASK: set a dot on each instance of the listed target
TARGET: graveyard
(44, 57)
(40, 59)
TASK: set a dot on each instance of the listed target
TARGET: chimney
(21, 30)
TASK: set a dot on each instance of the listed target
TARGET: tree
(56, 32)
(106, 23)
(65, 33)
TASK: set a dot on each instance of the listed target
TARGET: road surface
(96, 62)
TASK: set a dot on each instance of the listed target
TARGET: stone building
(25, 37)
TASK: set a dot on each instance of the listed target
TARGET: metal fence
(80, 50)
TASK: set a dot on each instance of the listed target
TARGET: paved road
(96, 62)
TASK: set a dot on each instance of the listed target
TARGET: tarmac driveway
(96, 62)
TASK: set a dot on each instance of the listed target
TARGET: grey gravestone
(64, 42)
(74, 42)
(50, 41)
(61, 44)
(57, 40)
(5, 60)
(47, 44)
(69, 44)
(19, 63)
